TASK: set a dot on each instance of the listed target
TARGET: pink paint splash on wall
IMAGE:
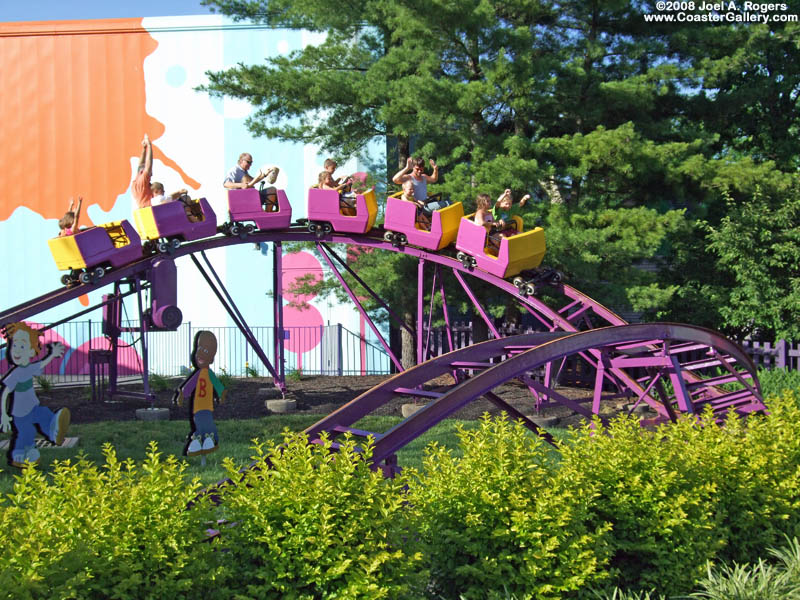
(299, 313)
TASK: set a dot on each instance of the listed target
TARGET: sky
(65, 10)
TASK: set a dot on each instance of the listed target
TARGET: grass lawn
(130, 440)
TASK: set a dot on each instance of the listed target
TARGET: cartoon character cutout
(26, 412)
(203, 387)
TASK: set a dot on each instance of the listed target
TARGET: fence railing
(577, 372)
(774, 355)
(323, 350)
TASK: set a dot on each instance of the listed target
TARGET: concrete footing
(152, 414)
(281, 406)
(409, 409)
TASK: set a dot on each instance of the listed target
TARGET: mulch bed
(314, 395)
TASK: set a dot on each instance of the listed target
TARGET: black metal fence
(577, 372)
(323, 350)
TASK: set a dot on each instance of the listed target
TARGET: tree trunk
(403, 151)
(409, 345)
(511, 315)
(480, 331)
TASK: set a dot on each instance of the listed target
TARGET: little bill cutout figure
(203, 387)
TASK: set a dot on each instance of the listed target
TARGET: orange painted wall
(73, 113)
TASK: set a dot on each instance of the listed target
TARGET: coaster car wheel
(250, 228)
(530, 289)
(466, 260)
(234, 229)
(66, 279)
(174, 243)
(327, 228)
(98, 272)
(163, 247)
(85, 277)
(403, 239)
(388, 236)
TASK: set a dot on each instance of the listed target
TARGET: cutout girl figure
(203, 387)
(26, 412)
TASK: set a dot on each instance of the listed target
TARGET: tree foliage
(632, 135)
(759, 242)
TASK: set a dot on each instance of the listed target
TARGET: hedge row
(509, 517)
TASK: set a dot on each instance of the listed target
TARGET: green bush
(617, 507)
(225, 378)
(774, 382)
(314, 524)
(504, 520)
(686, 494)
(160, 383)
(119, 531)
(653, 493)
(44, 383)
(757, 479)
(618, 594)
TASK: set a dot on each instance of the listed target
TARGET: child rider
(504, 210)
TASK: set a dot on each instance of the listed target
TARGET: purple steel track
(525, 353)
(611, 346)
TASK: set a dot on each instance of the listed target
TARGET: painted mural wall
(78, 97)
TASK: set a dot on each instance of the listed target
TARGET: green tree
(583, 104)
(750, 84)
(759, 242)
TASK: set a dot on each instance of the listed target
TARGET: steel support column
(277, 307)
(477, 304)
(143, 330)
(237, 318)
(359, 307)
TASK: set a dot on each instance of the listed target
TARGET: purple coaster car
(174, 222)
(246, 205)
(89, 252)
(515, 253)
(324, 212)
(401, 217)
